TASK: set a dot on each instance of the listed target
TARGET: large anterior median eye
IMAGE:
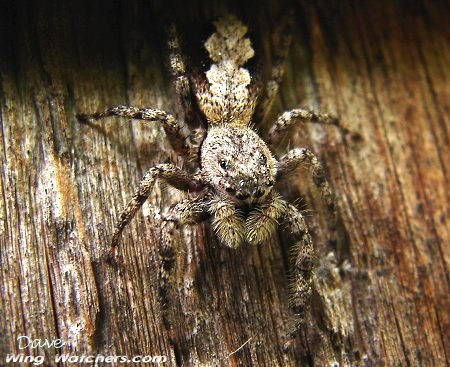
(262, 159)
(223, 164)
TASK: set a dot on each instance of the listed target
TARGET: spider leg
(302, 266)
(169, 173)
(228, 222)
(174, 129)
(270, 90)
(189, 211)
(299, 156)
(262, 223)
(182, 85)
(288, 119)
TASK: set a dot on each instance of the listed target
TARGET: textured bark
(381, 291)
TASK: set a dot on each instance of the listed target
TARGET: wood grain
(381, 290)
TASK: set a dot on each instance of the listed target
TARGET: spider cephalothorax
(237, 164)
(236, 170)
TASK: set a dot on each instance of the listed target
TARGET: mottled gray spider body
(236, 162)
(237, 171)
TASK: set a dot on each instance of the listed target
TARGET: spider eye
(223, 164)
(262, 159)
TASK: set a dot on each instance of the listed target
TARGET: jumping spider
(236, 170)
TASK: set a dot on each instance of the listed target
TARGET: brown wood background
(382, 291)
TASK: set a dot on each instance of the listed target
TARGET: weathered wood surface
(382, 291)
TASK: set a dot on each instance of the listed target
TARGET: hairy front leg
(174, 129)
(189, 211)
(302, 264)
(288, 119)
(169, 173)
(263, 221)
(302, 156)
(228, 222)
